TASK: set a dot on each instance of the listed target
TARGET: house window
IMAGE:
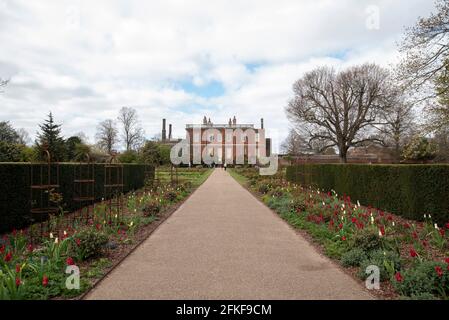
(228, 153)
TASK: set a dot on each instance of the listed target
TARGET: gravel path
(223, 243)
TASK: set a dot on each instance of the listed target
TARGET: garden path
(223, 243)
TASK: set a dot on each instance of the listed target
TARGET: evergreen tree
(50, 138)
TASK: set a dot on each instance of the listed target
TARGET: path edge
(167, 215)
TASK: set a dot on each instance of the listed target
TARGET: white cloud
(84, 60)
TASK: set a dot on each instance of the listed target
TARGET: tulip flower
(44, 281)
(69, 261)
(439, 271)
(398, 277)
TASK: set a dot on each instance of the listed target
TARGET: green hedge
(15, 180)
(407, 190)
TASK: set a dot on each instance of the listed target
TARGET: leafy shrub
(89, 243)
(152, 208)
(277, 192)
(170, 196)
(353, 258)
(422, 280)
(263, 189)
(298, 205)
(367, 241)
(388, 262)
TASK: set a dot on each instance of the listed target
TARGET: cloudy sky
(84, 60)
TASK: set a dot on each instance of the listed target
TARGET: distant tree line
(15, 144)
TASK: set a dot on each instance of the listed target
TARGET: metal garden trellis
(84, 186)
(113, 186)
(44, 183)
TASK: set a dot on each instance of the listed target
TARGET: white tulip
(436, 226)
(56, 240)
(51, 235)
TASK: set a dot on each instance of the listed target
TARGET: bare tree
(132, 132)
(23, 136)
(425, 48)
(294, 144)
(107, 135)
(339, 109)
(399, 126)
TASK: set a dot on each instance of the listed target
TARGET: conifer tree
(50, 138)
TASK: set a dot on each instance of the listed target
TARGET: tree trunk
(342, 152)
(343, 156)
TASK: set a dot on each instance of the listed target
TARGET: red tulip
(413, 253)
(18, 268)
(70, 261)
(398, 277)
(439, 271)
(343, 238)
(45, 281)
(18, 282)
(8, 257)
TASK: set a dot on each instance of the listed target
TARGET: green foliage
(388, 262)
(263, 188)
(10, 152)
(128, 157)
(151, 208)
(50, 138)
(420, 148)
(407, 190)
(15, 189)
(422, 279)
(353, 258)
(367, 241)
(71, 144)
(7, 133)
(88, 243)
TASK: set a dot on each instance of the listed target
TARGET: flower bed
(38, 271)
(412, 256)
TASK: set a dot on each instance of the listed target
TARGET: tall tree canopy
(107, 135)
(425, 50)
(132, 134)
(340, 108)
(7, 133)
(50, 138)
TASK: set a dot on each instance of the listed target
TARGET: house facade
(230, 143)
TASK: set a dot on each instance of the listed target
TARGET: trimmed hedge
(15, 180)
(407, 190)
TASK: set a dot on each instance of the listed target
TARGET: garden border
(152, 228)
(317, 246)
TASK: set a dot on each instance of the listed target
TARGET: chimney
(164, 133)
(169, 131)
(234, 121)
(261, 123)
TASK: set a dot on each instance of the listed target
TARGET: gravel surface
(223, 243)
